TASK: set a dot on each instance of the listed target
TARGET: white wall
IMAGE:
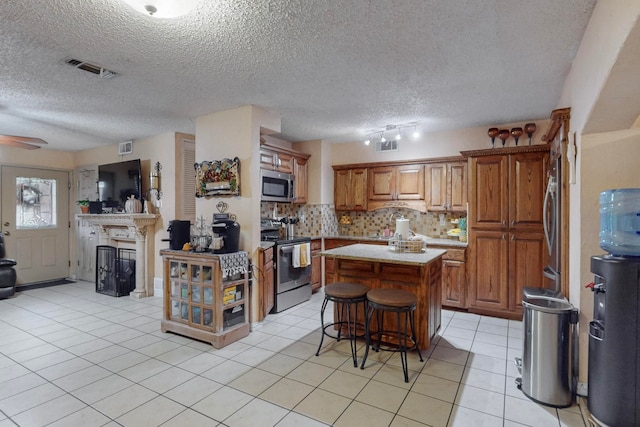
(229, 134)
(599, 155)
(159, 148)
(436, 144)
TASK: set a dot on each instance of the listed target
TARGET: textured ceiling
(331, 69)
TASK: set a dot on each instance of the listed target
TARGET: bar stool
(348, 295)
(398, 301)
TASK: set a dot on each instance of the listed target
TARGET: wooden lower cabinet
(454, 283)
(423, 280)
(528, 255)
(199, 302)
(488, 267)
(265, 282)
(316, 265)
(329, 263)
(454, 276)
(502, 265)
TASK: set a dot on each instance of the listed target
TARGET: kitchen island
(381, 267)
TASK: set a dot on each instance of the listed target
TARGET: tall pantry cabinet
(505, 226)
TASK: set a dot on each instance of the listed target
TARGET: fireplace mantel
(132, 228)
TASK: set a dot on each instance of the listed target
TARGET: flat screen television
(117, 182)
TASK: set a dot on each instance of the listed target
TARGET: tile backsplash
(316, 220)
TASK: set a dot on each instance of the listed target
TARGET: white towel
(295, 261)
(300, 255)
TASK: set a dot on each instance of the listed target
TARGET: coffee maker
(179, 234)
(229, 230)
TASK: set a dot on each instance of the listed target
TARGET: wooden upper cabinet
(404, 182)
(382, 183)
(436, 187)
(446, 187)
(410, 182)
(488, 200)
(457, 186)
(527, 184)
(300, 171)
(507, 190)
(276, 160)
(350, 189)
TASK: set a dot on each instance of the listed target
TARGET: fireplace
(115, 270)
(136, 230)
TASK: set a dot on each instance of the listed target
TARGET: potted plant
(84, 205)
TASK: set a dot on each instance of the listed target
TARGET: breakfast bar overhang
(380, 267)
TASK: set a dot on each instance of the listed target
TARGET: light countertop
(378, 253)
(430, 240)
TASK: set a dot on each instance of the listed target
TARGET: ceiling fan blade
(21, 142)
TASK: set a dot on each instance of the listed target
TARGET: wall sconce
(154, 181)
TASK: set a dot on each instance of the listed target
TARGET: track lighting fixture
(396, 135)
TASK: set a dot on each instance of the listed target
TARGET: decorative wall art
(218, 178)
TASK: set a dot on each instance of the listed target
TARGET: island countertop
(375, 253)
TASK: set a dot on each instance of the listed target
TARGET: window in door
(35, 203)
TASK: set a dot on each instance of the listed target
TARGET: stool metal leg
(413, 334)
(402, 346)
(368, 310)
(324, 306)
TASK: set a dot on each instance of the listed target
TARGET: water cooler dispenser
(614, 333)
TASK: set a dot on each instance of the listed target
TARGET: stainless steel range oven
(292, 283)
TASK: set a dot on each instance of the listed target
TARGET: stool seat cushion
(346, 290)
(392, 297)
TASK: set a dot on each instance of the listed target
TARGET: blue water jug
(620, 221)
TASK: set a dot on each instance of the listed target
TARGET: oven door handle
(286, 249)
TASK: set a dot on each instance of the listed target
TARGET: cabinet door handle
(513, 222)
(504, 223)
(513, 238)
(503, 237)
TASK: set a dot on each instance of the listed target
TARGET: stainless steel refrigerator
(552, 210)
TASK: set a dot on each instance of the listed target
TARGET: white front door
(35, 222)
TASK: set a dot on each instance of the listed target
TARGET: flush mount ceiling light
(163, 8)
(396, 131)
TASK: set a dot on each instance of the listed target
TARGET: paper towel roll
(402, 228)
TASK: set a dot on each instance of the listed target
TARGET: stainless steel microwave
(276, 186)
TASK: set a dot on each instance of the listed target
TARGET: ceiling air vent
(92, 68)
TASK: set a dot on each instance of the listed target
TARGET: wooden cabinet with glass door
(199, 303)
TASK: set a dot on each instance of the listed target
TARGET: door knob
(6, 233)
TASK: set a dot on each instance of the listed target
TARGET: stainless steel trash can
(547, 358)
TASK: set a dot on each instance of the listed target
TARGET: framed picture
(218, 178)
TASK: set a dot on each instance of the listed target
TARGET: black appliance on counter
(179, 234)
(229, 230)
(292, 285)
(614, 341)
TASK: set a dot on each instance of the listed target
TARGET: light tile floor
(72, 357)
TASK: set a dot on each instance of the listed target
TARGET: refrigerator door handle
(549, 273)
(549, 229)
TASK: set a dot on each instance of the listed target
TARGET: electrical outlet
(442, 219)
(582, 389)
